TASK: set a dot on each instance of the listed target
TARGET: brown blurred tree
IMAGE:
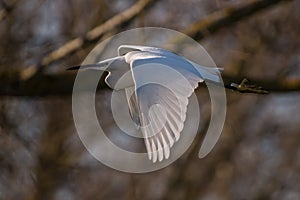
(257, 156)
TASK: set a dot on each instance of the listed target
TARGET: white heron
(161, 125)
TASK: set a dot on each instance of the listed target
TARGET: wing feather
(162, 100)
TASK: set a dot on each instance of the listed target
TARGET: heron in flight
(157, 89)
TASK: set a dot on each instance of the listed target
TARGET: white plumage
(157, 88)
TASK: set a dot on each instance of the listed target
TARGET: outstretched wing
(207, 73)
(124, 49)
(163, 86)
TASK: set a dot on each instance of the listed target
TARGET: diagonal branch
(210, 24)
(91, 36)
(228, 16)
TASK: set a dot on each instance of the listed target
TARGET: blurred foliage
(257, 156)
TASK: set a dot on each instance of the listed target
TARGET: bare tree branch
(11, 84)
(210, 24)
(25, 84)
(93, 35)
(228, 16)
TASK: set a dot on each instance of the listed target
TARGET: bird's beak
(96, 66)
(73, 68)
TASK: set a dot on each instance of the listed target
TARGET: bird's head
(119, 75)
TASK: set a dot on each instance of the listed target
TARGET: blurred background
(258, 154)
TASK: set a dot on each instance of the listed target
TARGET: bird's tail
(209, 73)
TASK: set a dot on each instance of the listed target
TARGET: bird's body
(157, 84)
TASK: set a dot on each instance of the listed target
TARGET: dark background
(257, 156)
